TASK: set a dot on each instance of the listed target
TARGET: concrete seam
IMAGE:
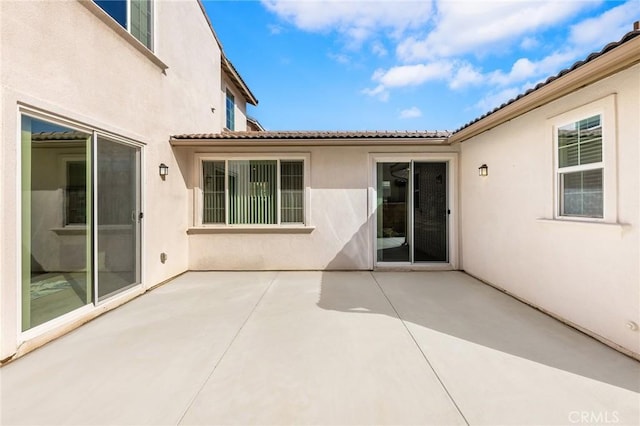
(204, 383)
(420, 349)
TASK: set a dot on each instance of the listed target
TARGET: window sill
(71, 230)
(134, 42)
(82, 229)
(251, 229)
(609, 226)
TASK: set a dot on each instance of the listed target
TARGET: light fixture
(483, 170)
(164, 170)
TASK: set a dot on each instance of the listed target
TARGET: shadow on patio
(460, 306)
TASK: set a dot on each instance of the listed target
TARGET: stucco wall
(60, 58)
(240, 109)
(339, 211)
(586, 273)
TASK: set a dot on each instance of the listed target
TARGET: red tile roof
(318, 135)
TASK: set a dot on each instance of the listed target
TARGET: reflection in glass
(392, 224)
(117, 211)
(56, 266)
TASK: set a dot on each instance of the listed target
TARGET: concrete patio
(322, 348)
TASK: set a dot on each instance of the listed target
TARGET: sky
(404, 64)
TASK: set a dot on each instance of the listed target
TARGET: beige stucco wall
(60, 58)
(240, 109)
(340, 213)
(586, 273)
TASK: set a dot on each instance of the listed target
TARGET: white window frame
(152, 23)
(62, 321)
(605, 108)
(228, 92)
(452, 199)
(64, 161)
(199, 193)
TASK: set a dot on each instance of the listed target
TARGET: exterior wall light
(483, 170)
(164, 170)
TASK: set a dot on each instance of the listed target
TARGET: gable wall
(586, 273)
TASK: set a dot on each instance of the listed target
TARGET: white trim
(94, 216)
(82, 125)
(605, 107)
(18, 230)
(452, 198)
(200, 157)
(93, 306)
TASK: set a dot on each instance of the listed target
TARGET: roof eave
(237, 80)
(616, 60)
(253, 142)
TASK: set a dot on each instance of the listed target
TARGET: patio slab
(322, 348)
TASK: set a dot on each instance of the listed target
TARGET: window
(81, 231)
(135, 16)
(253, 191)
(231, 113)
(581, 168)
(75, 199)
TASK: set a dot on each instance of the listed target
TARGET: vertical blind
(213, 192)
(252, 192)
(291, 188)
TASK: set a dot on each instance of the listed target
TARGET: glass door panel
(118, 209)
(393, 243)
(430, 214)
(56, 221)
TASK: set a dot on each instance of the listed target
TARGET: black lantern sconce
(483, 170)
(164, 170)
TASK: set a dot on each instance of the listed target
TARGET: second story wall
(72, 62)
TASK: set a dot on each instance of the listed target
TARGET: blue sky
(400, 64)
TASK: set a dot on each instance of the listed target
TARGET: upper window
(581, 168)
(231, 113)
(136, 16)
(253, 192)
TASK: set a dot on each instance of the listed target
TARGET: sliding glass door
(118, 210)
(56, 214)
(80, 218)
(412, 212)
(393, 215)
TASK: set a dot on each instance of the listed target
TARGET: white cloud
(529, 43)
(275, 29)
(379, 92)
(610, 26)
(466, 75)
(475, 27)
(413, 75)
(356, 19)
(524, 68)
(413, 112)
(406, 75)
(495, 99)
(378, 49)
(341, 58)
